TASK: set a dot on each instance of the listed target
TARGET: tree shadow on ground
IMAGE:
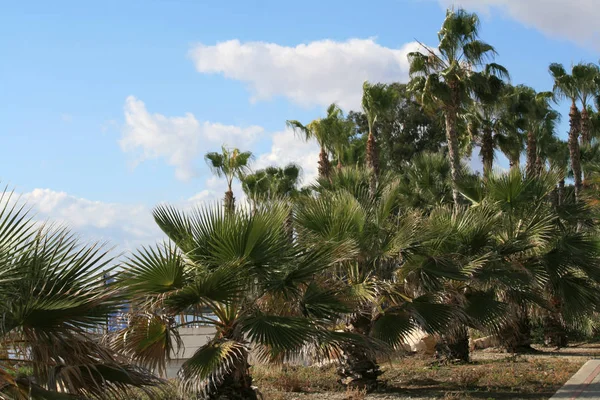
(475, 392)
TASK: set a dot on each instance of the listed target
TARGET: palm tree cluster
(397, 236)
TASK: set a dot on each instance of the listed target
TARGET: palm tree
(566, 86)
(236, 271)
(554, 267)
(382, 307)
(445, 79)
(558, 157)
(586, 76)
(377, 100)
(55, 302)
(487, 119)
(539, 123)
(231, 164)
(458, 242)
(274, 183)
(426, 182)
(326, 131)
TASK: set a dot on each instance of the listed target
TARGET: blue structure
(116, 320)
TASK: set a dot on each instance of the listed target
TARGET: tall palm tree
(558, 157)
(512, 140)
(586, 76)
(238, 272)
(274, 183)
(55, 302)
(340, 132)
(539, 123)
(326, 131)
(377, 100)
(566, 86)
(445, 78)
(487, 119)
(231, 164)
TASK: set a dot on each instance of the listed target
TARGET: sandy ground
(575, 353)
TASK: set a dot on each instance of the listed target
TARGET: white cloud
(576, 20)
(126, 225)
(214, 190)
(287, 148)
(317, 73)
(181, 141)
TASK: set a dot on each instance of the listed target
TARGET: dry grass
(498, 377)
(295, 379)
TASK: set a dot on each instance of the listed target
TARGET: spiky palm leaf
(55, 299)
(238, 272)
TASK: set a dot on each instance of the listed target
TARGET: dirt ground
(492, 374)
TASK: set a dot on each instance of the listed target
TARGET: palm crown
(446, 79)
(229, 163)
(237, 272)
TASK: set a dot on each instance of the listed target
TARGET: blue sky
(106, 108)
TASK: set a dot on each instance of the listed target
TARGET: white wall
(193, 339)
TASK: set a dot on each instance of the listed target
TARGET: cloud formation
(125, 225)
(287, 148)
(317, 73)
(180, 141)
(575, 20)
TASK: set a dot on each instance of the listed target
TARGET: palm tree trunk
(531, 154)
(487, 151)
(554, 332)
(573, 143)
(237, 384)
(289, 225)
(324, 164)
(453, 154)
(229, 201)
(358, 366)
(586, 138)
(586, 127)
(372, 159)
(455, 344)
(539, 165)
(372, 154)
(554, 198)
(515, 335)
(339, 165)
(561, 191)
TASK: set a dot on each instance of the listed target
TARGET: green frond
(394, 328)
(323, 303)
(155, 270)
(484, 310)
(299, 129)
(477, 52)
(216, 162)
(176, 225)
(148, 339)
(209, 365)
(432, 315)
(223, 285)
(279, 334)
